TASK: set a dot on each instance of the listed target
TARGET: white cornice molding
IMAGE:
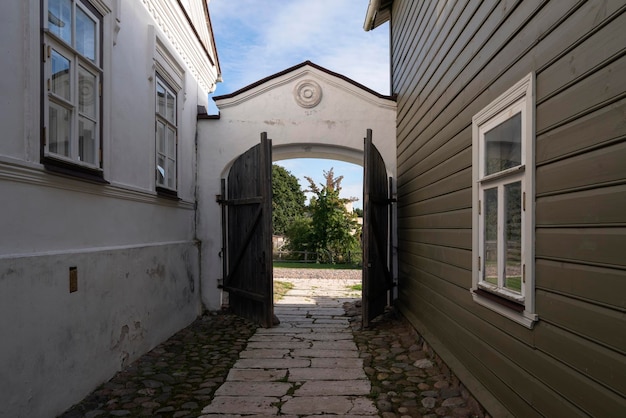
(171, 20)
(36, 175)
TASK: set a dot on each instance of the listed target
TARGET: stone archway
(307, 112)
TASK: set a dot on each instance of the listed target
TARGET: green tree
(335, 232)
(287, 199)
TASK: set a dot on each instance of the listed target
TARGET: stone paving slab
(334, 405)
(275, 389)
(265, 353)
(256, 375)
(334, 388)
(270, 363)
(334, 345)
(321, 373)
(242, 405)
(278, 344)
(325, 353)
(333, 362)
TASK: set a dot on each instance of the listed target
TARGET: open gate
(247, 234)
(377, 276)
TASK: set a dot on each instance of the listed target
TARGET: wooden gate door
(247, 224)
(377, 277)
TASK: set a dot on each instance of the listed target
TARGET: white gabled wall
(334, 129)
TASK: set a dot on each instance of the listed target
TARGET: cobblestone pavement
(177, 378)
(180, 377)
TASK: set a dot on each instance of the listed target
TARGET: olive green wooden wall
(450, 59)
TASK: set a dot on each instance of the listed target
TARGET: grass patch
(295, 265)
(280, 288)
(355, 287)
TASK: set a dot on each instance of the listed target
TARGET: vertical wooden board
(249, 278)
(377, 279)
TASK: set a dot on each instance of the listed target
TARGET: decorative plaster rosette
(307, 93)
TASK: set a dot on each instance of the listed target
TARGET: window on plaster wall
(166, 138)
(72, 85)
(503, 204)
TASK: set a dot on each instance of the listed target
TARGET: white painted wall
(333, 129)
(136, 253)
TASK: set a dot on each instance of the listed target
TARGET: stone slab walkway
(308, 365)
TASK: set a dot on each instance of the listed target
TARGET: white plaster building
(98, 249)
(110, 235)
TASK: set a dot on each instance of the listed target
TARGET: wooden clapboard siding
(483, 343)
(454, 256)
(606, 125)
(598, 285)
(601, 364)
(485, 340)
(604, 166)
(596, 246)
(451, 59)
(597, 323)
(452, 219)
(591, 207)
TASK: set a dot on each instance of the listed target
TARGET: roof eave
(378, 12)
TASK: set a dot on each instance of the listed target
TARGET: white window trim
(51, 41)
(519, 98)
(167, 123)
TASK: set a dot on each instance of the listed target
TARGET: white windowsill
(524, 318)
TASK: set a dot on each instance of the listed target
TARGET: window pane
(87, 93)
(490, 273)
(60, 82)
(513, 225)
(171, 174)
(171, 143)
(160, 170)
(503, 145)
(160, 100)
(171, 108)
(60, 19)
(160, 137)
(59, 122)
(86, 141)
(85, 35)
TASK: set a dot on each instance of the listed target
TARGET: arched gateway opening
(303, 112)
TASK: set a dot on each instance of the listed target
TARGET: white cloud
(256, 39)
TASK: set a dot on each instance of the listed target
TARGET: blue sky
(258, 38)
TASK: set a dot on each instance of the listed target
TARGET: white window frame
(77, 62)
(518, 99)
(168, 123)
